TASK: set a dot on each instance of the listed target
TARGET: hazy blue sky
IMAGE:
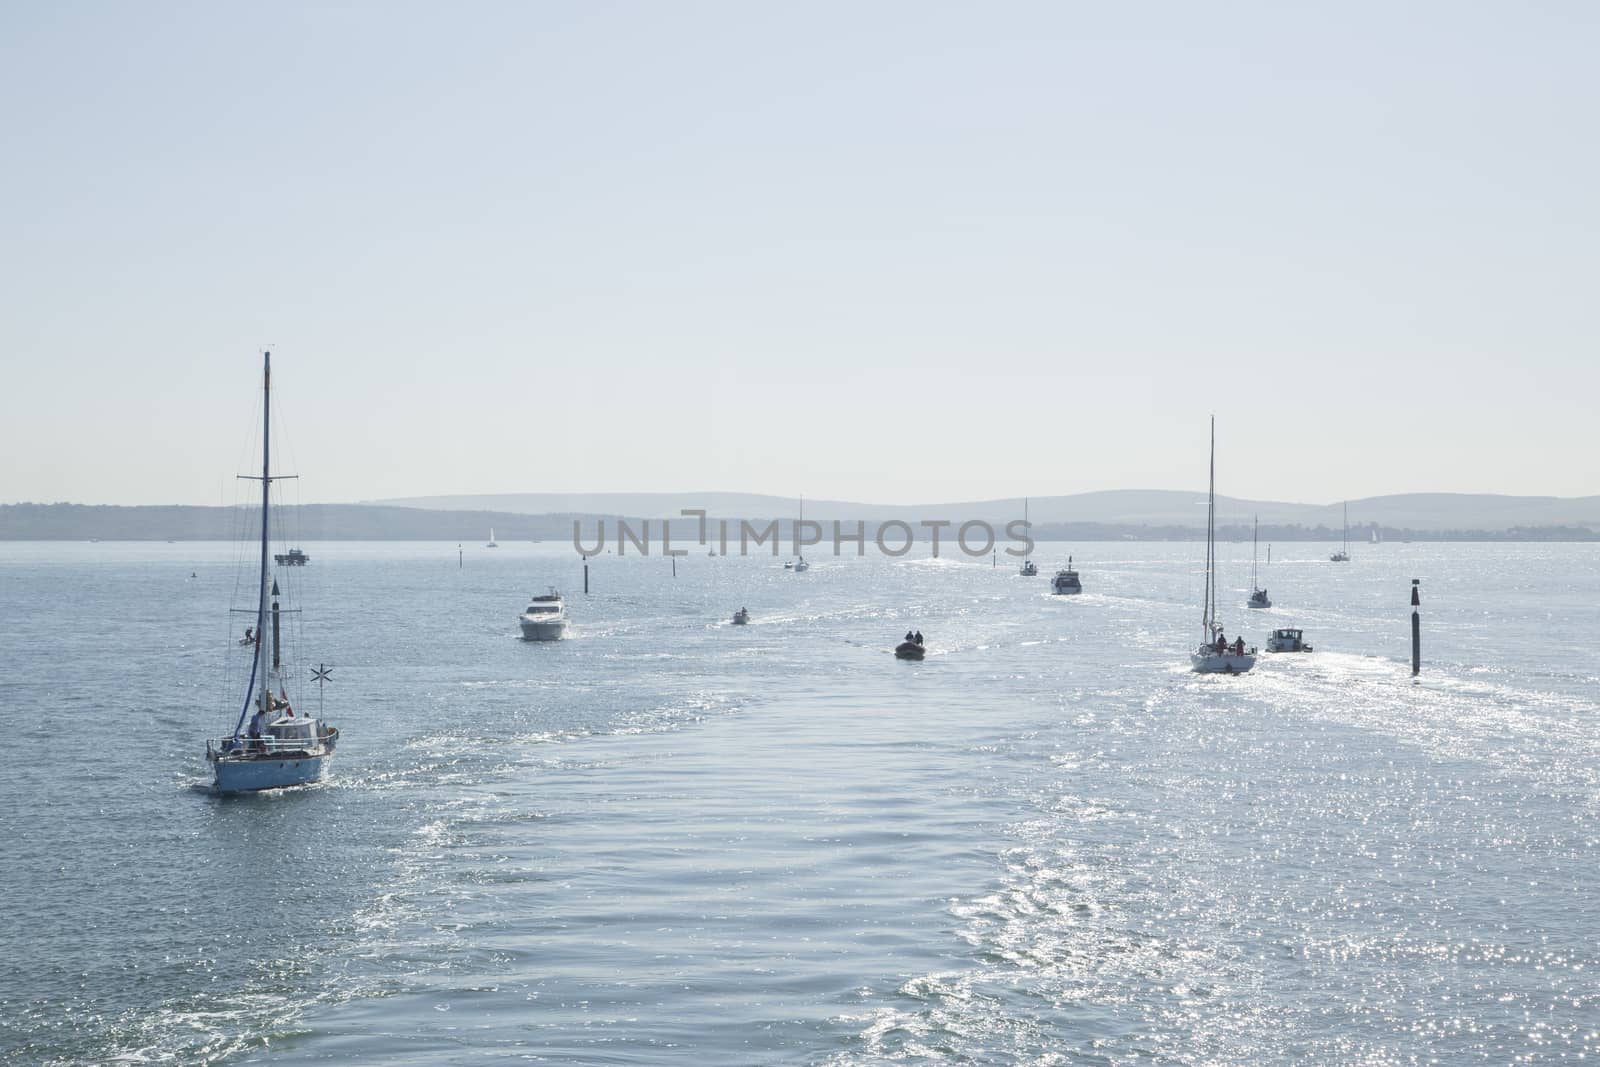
(890, 251)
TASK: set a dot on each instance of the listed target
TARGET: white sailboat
(278, 748)
(1029, 569)
(1343, 555)
(799, 563)
(1258, 595)
(492, 543)
(1215, 655)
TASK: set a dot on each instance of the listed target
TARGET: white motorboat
(1066, 581)
(1258, 595)
(1215, 655)
(1287, 640)
(278, 747)
(545, 618)
(741, 617)
(492, 543)
(1343, 555)
(1029, 568)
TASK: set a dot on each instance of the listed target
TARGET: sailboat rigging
(799, 563)
(1029, 569)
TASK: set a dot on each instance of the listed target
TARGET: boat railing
(227, 746)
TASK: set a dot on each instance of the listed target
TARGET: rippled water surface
(672, 840)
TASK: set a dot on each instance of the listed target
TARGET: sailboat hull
(255, 775)
(1205, 662)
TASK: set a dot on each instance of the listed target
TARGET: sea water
(670, 840)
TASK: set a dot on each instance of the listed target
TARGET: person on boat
(258, 722)
(918, 639)
(1222, 643)
(1238, 646)
(910, 638)
(249, 635)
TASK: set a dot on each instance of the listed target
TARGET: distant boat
(909, 650)
(292, 558)
(1029, 570)
(279, 748)
(1375, 538)
(1258, 595)
(1066, 582)
(1214, 656)
(545, 618)
(1287, 640)
(741, 617)
(1343, 555)
(491, 543)
(799, 563)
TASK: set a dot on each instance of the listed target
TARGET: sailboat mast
(1210, 611)
(1255, 545)
(266, 499)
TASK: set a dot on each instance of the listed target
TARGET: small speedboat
(1030, 569)
(909, 650)
(1287, 640)
(1259, 599)
(545, 619)
(741, 617)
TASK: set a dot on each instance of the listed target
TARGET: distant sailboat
(491, 543)
(1258, 595)
(1215, 655)
(1375, 538)
(1343, 555)
(799, 563)
(1029, 570)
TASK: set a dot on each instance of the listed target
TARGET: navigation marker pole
(1416, 629)
(321, 673)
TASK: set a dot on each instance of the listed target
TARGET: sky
(887, 252)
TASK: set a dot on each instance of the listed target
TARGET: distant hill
(1123, 507)
(1133, 515)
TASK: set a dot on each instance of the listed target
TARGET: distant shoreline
(361, 522)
